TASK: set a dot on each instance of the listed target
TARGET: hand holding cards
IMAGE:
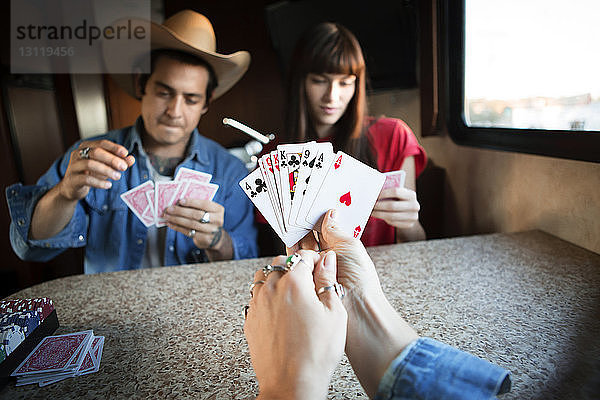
(296, 184)
(148, 200)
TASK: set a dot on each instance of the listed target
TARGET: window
(523, 75)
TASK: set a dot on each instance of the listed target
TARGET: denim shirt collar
(195, 149)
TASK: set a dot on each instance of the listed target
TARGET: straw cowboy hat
(186, 31)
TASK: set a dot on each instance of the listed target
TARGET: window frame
(575, 145)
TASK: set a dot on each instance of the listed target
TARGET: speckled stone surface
(527, 301)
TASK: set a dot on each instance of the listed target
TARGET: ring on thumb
(325, 271)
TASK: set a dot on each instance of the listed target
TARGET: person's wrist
(222, 248)
(60, 193)
(311, 389)
(362, 285)
(376, 335)
(63, 195)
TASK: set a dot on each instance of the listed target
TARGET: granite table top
(528, 301)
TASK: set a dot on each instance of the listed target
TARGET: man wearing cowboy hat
(77, 202)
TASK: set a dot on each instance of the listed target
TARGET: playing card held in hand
(149, 200)
(296, 184)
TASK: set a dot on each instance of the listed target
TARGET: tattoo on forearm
(216, 237)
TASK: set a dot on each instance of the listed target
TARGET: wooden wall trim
(429, 63)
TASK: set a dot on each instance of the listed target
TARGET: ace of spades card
(351, 188)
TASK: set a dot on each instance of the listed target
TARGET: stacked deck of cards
(149, 200)
(23, 324)
(295, 185)
(60, 357)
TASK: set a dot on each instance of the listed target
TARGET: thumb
(325, 277)
(325, 272)
(331, 231)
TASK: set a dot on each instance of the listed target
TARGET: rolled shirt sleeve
(22, 200)
(428, 369)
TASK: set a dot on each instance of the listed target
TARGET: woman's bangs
(341, 58)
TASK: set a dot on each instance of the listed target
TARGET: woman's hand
(376, 332)
(355, 271)
(296, 337)
(398, 207)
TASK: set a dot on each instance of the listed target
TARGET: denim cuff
(431, 369)
(22, 201)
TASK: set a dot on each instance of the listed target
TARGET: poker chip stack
(43, 305)
(11, 336)
(15, 327)
(23, 324)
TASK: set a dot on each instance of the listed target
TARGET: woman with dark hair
(327, 102)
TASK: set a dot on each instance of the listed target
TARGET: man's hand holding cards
(296, 184)
(148, 201)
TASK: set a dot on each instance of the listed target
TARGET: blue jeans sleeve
(22, 201)
(428, 369)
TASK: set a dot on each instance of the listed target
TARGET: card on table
(90, 364)
(55, 354)
(86, 361)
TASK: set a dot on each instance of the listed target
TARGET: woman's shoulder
(393, 141)
(388, 126)
(386, 132)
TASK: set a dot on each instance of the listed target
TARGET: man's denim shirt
(115, 239)
(428, 369)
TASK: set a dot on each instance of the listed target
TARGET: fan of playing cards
(60, 357)
(296, 184)
(148, 201)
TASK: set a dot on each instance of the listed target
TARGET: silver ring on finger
(336, 287)
(84, 153)
(292, 261)
(205, 218)
(253, 284)
(267, 269)
(192, 233)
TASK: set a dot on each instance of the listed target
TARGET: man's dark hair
(185, 58)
